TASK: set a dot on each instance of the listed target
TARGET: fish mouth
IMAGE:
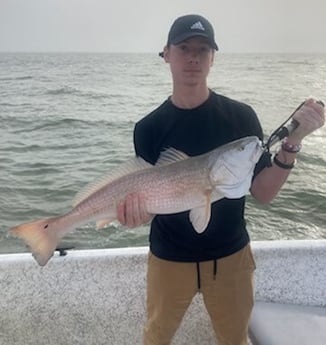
(254, 146)
(257, 152)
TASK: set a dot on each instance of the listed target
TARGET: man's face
(190, 61)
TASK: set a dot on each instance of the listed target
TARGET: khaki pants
(228, 296)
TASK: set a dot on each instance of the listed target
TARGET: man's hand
(132, 211)
(310, 117)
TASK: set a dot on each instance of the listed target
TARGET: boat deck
(97, 297)
(287, 324)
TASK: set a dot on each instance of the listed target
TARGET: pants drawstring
(198, 275)
(215, 269)
(198, 272)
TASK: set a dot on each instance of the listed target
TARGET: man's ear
(213, 58)
(166, 54)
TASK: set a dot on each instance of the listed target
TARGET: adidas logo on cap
(197, 26)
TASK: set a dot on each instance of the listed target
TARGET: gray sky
(142, 25)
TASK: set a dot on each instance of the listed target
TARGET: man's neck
(189, 98)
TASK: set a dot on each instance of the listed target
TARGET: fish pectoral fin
(200, 216)
(100, 224)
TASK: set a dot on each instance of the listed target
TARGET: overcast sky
(142, 25)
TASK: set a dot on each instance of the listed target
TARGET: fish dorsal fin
(131, 166)
(171, 155)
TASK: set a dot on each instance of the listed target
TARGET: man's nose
(194, 56)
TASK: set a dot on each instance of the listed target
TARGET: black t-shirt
(217, 121)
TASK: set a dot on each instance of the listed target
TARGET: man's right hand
(132, 212)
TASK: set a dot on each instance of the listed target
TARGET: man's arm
(269, 181)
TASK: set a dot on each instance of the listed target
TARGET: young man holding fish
(196, 188)
(217, 262)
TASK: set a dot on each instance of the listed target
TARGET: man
(217, 263)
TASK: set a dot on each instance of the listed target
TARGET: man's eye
(205, 49)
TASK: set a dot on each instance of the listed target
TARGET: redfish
(176, 183)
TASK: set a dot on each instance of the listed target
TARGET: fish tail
(39, 236)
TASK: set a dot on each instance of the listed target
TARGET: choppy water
(66, 119)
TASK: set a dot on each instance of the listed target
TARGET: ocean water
(66, 119)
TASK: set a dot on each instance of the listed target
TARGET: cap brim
(188, 35)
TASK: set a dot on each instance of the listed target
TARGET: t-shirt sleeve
(143, 142)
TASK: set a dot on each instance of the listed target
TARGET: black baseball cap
(188, 26)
